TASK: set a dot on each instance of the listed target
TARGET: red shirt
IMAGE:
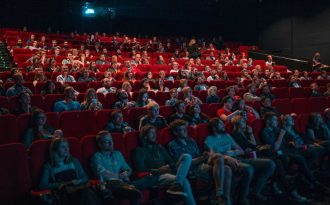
(222, 111)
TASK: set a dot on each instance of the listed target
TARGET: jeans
(183, 166)
(256, 171)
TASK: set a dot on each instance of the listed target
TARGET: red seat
(220, 84)
(202, 95)
(50, 100)
(15, 178)
(257, 126)
(22, 123)
(318, 104)
(4, 102)
(297, 93)
(322, 82)
(134, 115)
(306, 83)
(283, 105)
(39, 155)
(102, 119)
(213, 108)
(8, 129)
(53, 119)
(302, 122)
(77, 123)
(131, 142)
(110, 100)
(300, 105)
(161, 97)
(78, 86)
(279, 83)
(280, 92)
(166, 111)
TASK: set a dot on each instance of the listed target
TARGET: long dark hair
(45, 89)
(34, 124)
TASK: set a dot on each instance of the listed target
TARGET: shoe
(298, 198)
(218, 200)
(243, 201)
(176, 189)
(259, 197)
(276, 189)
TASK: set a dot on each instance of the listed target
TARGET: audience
(107, 83)
(195, 116)
(68, 104)
(24, 104)
(49, 88)
(152, 117)
(117, 124)
(91, 102)
(18, 88)
(65, 77)
(251, 96)
(212, 95)
(173, 97)
(225, 113)
(248, 113)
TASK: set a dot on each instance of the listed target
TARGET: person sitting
(18, 88)
(183, 83)
(327, 92)
(91, 102)
(317, 131)
(195, 116)
(143, 99)
(200, 85)
(305, 76)
(152, 117)
(294, 82)
(102, 60)
(208, 166)
(64, 174)
(107, 83)
(266, 106)
(117, 124)
(248, 113)
(85, 77)
(161, 86)
(68, 104)
(315, 90)
(129, 76)
(266, 91)
(213, 76)
(269, 61)
(174, 98)
(146, 85)
(152, 157)
(188, 97)
(323, 76)
(225, 113)
(122, 100)
(49, 88)
(296, 144)
(243, 135)
(110, 166)
(251, 96)
(327, 117)
(180, 113)
(212, 95)
(273, 136)
(39, 129)
(24, 104)
(231, 92)
(65, 77)
(254, 172)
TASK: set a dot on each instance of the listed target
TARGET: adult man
(251, 95)
(152, 117)
(180, 107)
(258, 170)
(207, 166)
(68, 104)
(107, 83)
(18, 88)
(65, 77)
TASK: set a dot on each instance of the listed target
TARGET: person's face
(197, 109)
(91, 95)
(41, 119)
(151, 136)
(200, 80)
(267, 102)
(154, 111)
(145, 97)
(70, 93)
(266, 89)
(229, 104)
(241, 105)
(106, 143)
(85, 74)
(181, 132)
(118, 119)
(231, 92)
(63, 149)
(149, 75)
(65, 70)
(253, 89)
(273, 122)
(51, 86)
(146, 84)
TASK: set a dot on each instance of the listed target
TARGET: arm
(256, 114)
(236, 150)
(46, 181)
(82, 176)
(229, 117)
(99, 170)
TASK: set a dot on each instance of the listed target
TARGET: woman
(195, 115)
(129, 76)
(145, 84)
(39, 128)
(248, 113)
(49, 88)
(183, 83)
(317, 131)
(117, 124)
(64, 175)
(212, 95)
(188, 96)
(143, 98)
(24, 104)
(39, 77)
(91, 102)
(149, 76)
(161, 86)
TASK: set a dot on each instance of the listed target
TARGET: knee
(218, 159)
(228, 172)
(186, 157)
(271, 166)
(248, 171)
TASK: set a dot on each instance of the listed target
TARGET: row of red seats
(80, 123)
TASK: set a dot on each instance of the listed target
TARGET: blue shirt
(220, 144)
(176, 148)
(61, 106)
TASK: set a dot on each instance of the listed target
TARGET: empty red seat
(302, 122)
(318, 104)
(15, 178)
(220, 84)
(8, 129)
(77, 123)
(131, 142)
(281, 92)
(257, 127)
(110, 100)
(161, 97)
(166, 111)
(53, 120)
(102, 119)
(78, 86)
(213, 108)
(300, 105)
(297, 93)
(283, 105)
(134, 115)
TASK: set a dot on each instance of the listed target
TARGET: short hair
(114, 113)
(177, 123)
(178, 103)
(144, 130)
(100, 134)
(214, 122)
(268, 116)
(226, 98)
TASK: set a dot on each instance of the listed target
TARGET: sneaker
(298, 198)
(243, 201)
(177, 190)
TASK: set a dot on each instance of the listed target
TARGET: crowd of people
(225, 157)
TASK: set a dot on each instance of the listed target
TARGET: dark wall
(297, 28)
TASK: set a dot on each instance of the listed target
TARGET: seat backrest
(102, 119)
(257, 127)
(318, 104)
(202, 132)
(134, 115)
(283, 105)
(302, 122)
(50, 100)
(131, 142)
(300, 105)
(161, 97)
(8, 129)
(23, 123)
(15, 178)
(4, 102)
(280, 92)
(77, 123)
(297, 93)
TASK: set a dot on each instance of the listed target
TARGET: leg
(183, 166)
(218, 168)
(246, 172)
(227, 184)
(145, 182)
